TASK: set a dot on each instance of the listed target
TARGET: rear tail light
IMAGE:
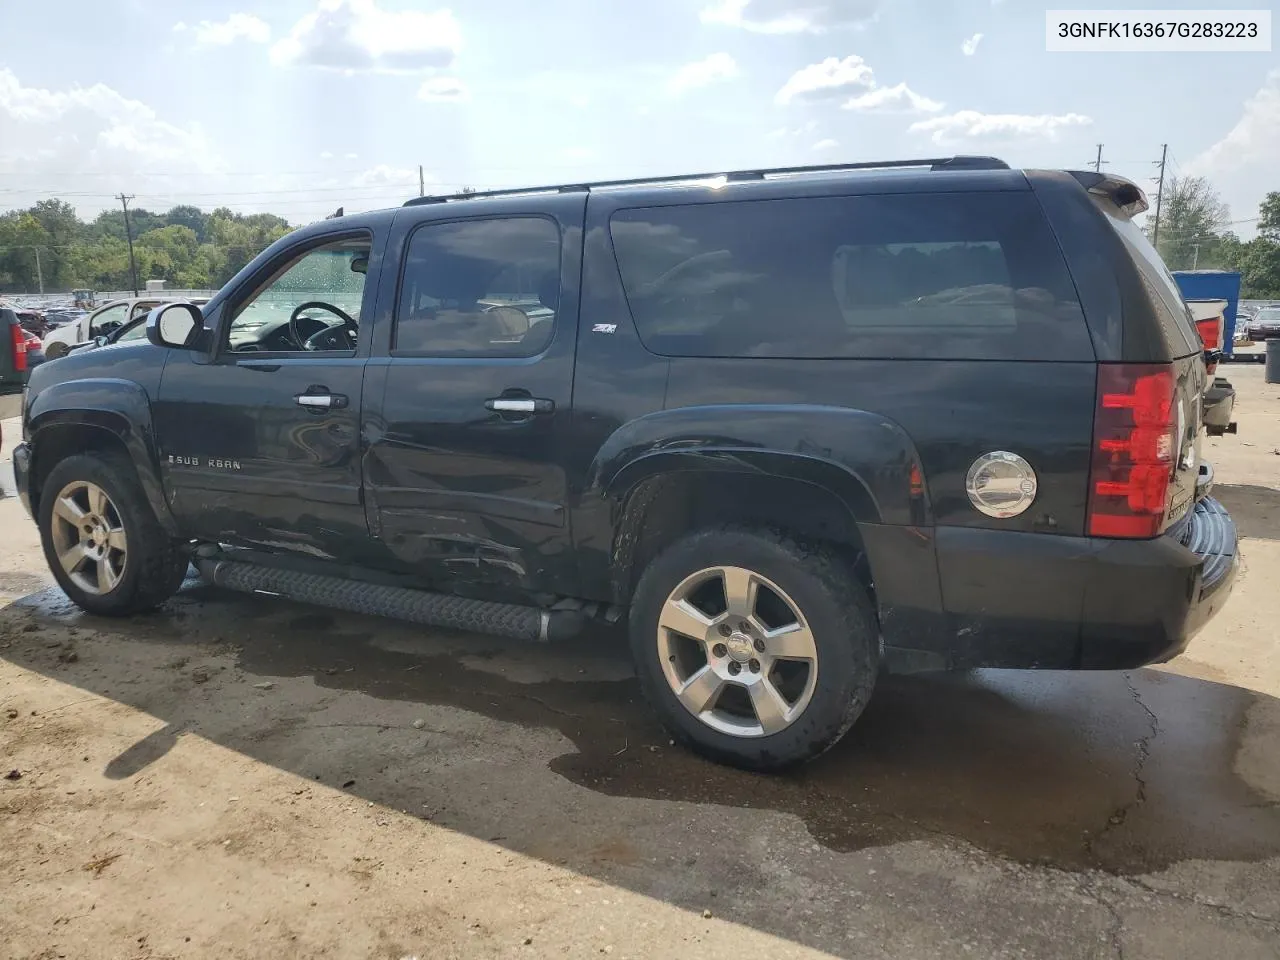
(19, 343)
(1211, 331)
(1135, 444)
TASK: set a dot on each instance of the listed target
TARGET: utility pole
(1097, 164)
(1155, 231)
(128, 235)
(422, 183)
(39, 272)
(1195, 256)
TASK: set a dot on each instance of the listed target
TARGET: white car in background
(103, 321)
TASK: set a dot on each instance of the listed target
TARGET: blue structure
(1214, 285)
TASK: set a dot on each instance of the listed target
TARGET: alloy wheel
(89, 537)
(737, 652)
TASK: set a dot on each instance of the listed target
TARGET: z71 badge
(213, 462)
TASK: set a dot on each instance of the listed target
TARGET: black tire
(55, 350)
(841, 619)
(155, 565)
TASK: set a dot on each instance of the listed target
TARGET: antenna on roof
(333, 216)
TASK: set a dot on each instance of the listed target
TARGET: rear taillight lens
(19, 348)
(1211, 331)
(1135, 445)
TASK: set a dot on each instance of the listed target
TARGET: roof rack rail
(731, 176)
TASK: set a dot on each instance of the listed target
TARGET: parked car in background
(1265, 324)
(34, 321)
(135, 329)
(35, 350)
(13, 363)
(103, 322)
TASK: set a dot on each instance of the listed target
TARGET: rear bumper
(1029, 600)
(1151, 597)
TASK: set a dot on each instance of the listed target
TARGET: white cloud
(970, 46)
(790, 16)
(92, 140)
(826, 80)
(973, 125)
(1242, 165)
(896, 99)
(834, 79)
(443, 90)
(358, 35)
(326, 155)
(223, 32)
(96, 124)
(351, 156)
(826, 144)
(1255, 139)
(700, 73)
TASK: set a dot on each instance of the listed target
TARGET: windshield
(1271, 314)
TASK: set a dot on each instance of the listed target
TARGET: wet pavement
(403, 792)
(1123, 772)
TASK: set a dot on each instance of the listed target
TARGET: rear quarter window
(1176, 325)
(928, 276)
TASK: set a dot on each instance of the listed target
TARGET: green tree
(1269, 216)
(1191, 216)
(193, 218)
(1259, 264)
(20, 235)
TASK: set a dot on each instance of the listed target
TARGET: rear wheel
(756, 650)
(54, 350)
(101, 539)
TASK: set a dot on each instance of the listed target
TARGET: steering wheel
(349, 326)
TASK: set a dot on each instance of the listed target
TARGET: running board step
(399, 603)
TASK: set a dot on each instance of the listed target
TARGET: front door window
(311, 305)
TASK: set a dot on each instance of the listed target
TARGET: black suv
(797, 425)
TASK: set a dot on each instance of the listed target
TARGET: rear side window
(930, 276)
(479, 288)
(1162, 290)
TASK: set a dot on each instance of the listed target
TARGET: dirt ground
(238, 777)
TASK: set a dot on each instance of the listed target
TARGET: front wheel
(101, 539)
(756, 650)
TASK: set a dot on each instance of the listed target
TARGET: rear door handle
(520, 405)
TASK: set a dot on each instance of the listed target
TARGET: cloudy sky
(299, 106)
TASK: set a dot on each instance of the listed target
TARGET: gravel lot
(238, 777)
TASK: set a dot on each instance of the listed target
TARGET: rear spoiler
(1125, 194)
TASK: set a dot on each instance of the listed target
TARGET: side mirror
(175, 325)
(101, 341)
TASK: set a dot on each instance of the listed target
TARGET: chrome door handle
(519, 405)
(321, 401)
